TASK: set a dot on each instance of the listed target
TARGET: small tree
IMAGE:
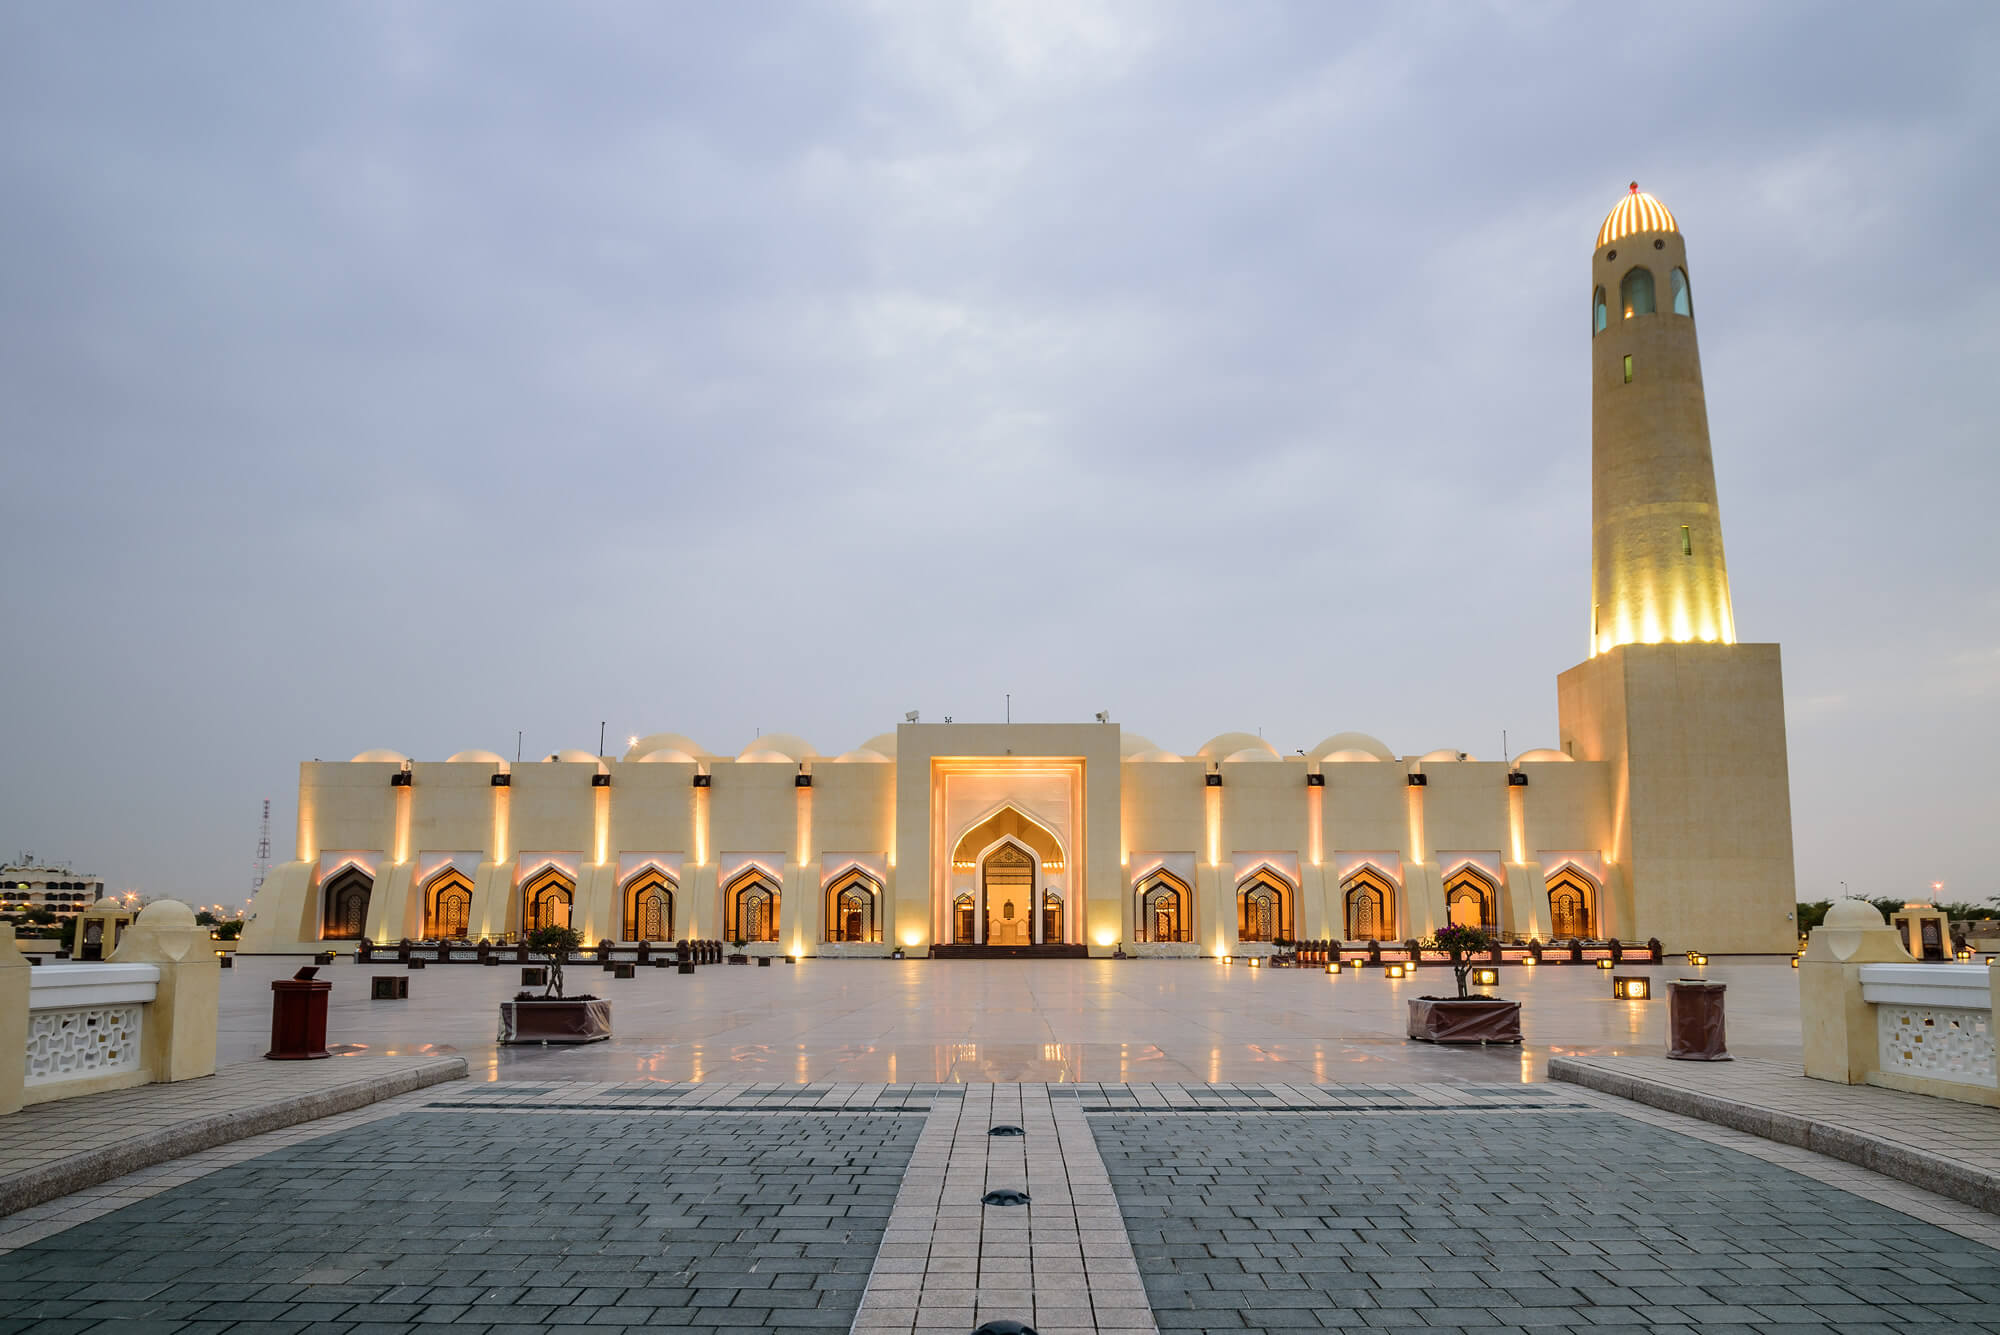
(1463, 944)
(558, 943)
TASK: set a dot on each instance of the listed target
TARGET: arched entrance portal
(1008, 885)
(345, 902)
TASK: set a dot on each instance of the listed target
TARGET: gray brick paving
(1518, 1221)
(494, 1220)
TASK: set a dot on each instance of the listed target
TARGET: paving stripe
(1061, 1263)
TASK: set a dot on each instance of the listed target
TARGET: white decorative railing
(1933, 1020)
(86, 1020)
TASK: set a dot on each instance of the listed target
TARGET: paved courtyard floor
(516, 1206)
(1038, 1020)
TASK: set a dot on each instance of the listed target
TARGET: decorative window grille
(84, 1041)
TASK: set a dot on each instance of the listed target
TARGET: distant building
(1663, 810)
(28, 884)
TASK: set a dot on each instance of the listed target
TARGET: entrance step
(942, 952)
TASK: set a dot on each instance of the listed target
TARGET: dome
(1157, 754)
(1542, 754)
(574, 757)
(1853, 915)
(379, 756)
(1447, 754)
(765, 758)
(882, 743)
(783, 744)
(109, 905)
(1636, 213)
(1229, 743)
(666, 741)
(666, 755)
(861, 755)
(1350, 741)
(1349, 756)
(1266, 755)
(166, 913)
(1131, 744)
(475, 758)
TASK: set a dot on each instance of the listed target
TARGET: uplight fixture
(1965, 954)
(1604, 963)
(1394, 970)
(1699, 960)
(1333, 966)
(1485, 977)
(1795, 961)
(1632, 987)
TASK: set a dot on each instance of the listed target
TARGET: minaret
(1656, 568)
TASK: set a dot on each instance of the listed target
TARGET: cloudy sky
(409, 375)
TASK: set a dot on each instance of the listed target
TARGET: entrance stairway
(942, 952)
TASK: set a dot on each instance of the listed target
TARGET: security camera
(910, 717)
(1104, 716)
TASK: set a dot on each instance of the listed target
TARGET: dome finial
(1635, 187)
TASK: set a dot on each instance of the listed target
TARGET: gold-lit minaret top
(1657, 573)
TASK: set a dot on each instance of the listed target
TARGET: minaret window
(1600, 315)
(1628, 368)
(1677, 283)
(1687, 541)
(1635, 293)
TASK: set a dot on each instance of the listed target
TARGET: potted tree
(553, 1017)
(1464, 1018)
(740, 949)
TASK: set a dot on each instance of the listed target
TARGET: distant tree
(230, 929)
(1813, 914)
(206, 919)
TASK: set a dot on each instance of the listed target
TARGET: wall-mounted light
(1214, 777)
(1631, 987)
(600, 781)
(1516, 779)
(802, 780)
(1315, 780)
(1418, 780)
(701, 780)
(400, 779)
(503, 780)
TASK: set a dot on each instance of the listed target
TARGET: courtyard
(1122, 1021)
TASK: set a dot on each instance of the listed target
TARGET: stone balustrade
(149, 1014)
(1870, 1015)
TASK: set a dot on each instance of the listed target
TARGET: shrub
(558, 943)
(1463, 944)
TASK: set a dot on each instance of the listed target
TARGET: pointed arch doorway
(1010, 891)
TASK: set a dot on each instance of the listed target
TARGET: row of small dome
(784, 748)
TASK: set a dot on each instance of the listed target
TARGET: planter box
(1470, 1020)
(555, 1020)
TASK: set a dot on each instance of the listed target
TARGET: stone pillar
(181, 1022)
(1837, 1026)
(14, 985)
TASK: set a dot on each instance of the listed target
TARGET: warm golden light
(1632, 988)
(912, 938)
(1604, 964)
(1394, 970)
(1106, 938)
(1333, 966)
(1486, 977)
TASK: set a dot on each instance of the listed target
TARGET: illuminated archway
(447, 905)
(344, 905)
(1572, 906)
(1264, 907)
(1164, 910)
(853, 910)
(1470, 899)
(649, 907)
(1015, 879)
(1369, 903)
(1007, 885)
(750, 908)
(547, 900)
(964, 931)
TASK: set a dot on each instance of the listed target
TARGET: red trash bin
(1694, 1021)
(298, 1017)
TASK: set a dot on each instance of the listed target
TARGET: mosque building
(1664, 811)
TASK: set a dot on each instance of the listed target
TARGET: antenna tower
(263, 850)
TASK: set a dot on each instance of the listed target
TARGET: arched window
(1677, 283)
(345, 900)
(547, 900)
(1635, 293)
(1370, 903)
(1600, 314)
(962, 921)
(447, 905)
(1572, 906)
(1052, 918)
(649, 907)
(851, 914)
(1264, 908)
(1165, 909)
(750, 908)
(1469, 900)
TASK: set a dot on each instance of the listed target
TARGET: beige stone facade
(1664, 812)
